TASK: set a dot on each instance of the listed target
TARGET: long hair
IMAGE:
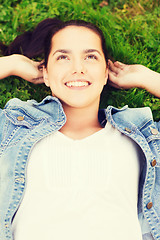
(31, 43)
(39, 41)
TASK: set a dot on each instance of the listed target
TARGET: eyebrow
(69, 51)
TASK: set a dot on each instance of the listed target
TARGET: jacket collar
(33, 112)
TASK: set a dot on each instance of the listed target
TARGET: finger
(113, 68)
(39, 74)
(119, 65)
(41, 64)
(39, 80)
(112, 76)
(113, 80)
(112, 84)
(38, 65)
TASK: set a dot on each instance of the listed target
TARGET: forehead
(76, 36)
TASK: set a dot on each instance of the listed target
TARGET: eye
(62, 57)
(91, 56)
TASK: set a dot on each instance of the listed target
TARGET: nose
(78, 67)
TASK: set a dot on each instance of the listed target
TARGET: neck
(81, 122)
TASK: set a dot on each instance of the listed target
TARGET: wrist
(152, 82)
(15, 64)
(7, 66)
(147, 76)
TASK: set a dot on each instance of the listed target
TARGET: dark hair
(31, 43)
(39, 41)
(79, 23)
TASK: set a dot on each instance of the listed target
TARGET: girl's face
(76, 71)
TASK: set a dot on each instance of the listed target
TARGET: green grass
(132, 32)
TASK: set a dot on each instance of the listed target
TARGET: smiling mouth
(77, 84)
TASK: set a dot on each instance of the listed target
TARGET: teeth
(77, 84)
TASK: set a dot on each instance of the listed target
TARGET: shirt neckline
(92, 136)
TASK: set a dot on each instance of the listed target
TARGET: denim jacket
(23, 124)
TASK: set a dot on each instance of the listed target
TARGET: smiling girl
(67, 169)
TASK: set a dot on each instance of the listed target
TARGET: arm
(129, 76)
(21, 66)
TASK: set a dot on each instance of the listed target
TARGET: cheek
(57, 71)
(56, 80)
(100, 74)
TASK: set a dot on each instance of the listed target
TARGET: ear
(45, 76)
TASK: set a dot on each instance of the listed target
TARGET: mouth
(77, 84)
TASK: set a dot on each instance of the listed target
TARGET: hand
(125, 76)
(27, 69)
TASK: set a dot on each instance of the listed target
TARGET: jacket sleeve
(2, 123)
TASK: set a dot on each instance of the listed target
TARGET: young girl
(67, 169)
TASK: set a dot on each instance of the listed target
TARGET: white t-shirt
(81, 189)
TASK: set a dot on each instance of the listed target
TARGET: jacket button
(20, 118)
(128, 130)
(153, 163)
(154, 131)
(149, 205)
